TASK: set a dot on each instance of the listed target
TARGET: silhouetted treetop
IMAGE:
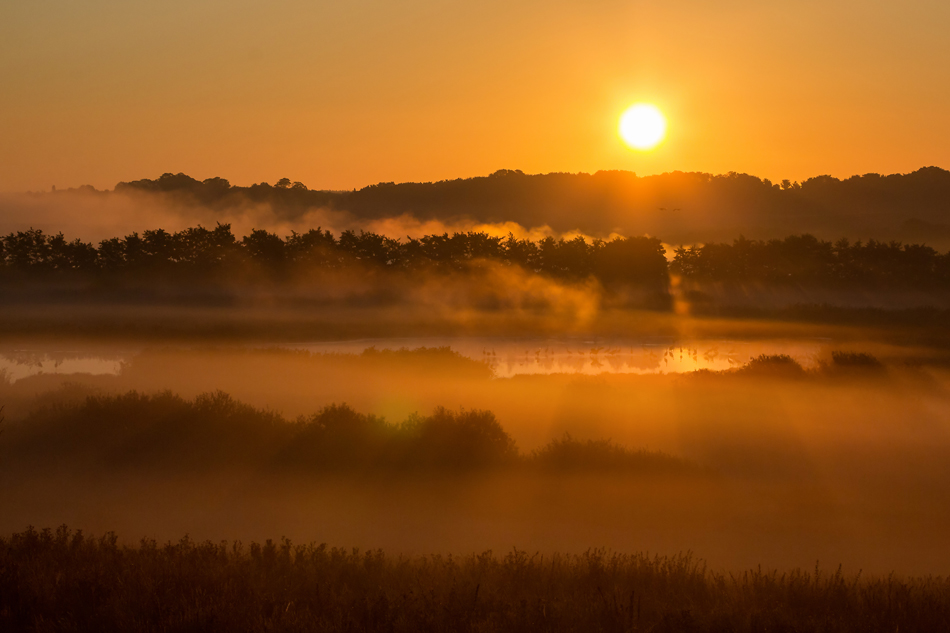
(804, 259)
(198, 253)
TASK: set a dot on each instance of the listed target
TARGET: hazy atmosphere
(339, 96)
(420, 316)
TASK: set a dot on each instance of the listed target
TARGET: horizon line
(517, 172)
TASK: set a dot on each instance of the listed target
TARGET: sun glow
(642, 126)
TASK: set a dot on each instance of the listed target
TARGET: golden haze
(343, 95)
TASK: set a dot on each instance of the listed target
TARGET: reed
(63, 580)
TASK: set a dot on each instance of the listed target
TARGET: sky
(339, 95)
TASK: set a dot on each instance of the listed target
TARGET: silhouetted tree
(632, 260)
(313, 248)
(267, 249)
(804, 259)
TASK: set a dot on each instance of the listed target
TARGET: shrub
(463, 440)
(566, 455)
(337, 438)
(774, 365)
(856, 360)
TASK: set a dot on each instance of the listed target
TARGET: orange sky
(343, 94)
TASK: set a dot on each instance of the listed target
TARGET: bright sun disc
(642, 126)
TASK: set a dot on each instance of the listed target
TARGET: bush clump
(567, 454)
(856, 360)
(340, 438)
(773, 365)
(135, 430)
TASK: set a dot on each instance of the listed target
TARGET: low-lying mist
(94, 216)
(770, 463)
(135, 433)
(683, 207)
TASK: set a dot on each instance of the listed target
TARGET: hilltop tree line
(200, 253)
(681, 206)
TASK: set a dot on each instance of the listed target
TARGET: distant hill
(679, 207)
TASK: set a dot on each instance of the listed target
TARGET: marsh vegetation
(52, 580)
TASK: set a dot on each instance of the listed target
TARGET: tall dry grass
(64, 580)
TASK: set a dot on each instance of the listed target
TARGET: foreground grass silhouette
(63, 580)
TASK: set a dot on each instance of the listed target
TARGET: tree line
(199, 252)
(684, 207)
(804, 259)
(601, 201)
(140, 432)
(202, 253)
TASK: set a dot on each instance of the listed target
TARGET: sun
(642, 126)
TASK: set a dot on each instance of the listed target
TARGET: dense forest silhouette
(683, 207)
(202, 254)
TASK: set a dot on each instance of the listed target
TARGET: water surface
(506, 356)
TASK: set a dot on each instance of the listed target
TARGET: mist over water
(592, 356)
(505, 356)
(794, 461)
